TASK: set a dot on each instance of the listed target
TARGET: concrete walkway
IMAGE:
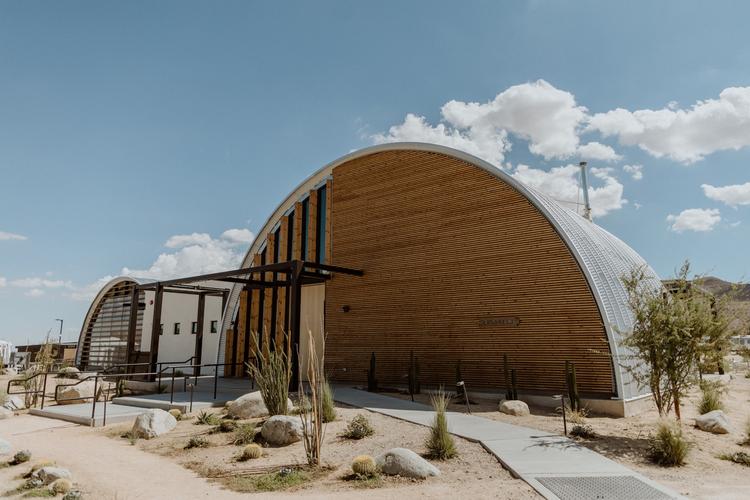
(555, 466)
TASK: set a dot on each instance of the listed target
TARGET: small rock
(50, 474)
(281, 430)
(14, 403)
(713, 421)
(250, 405)
(5, 447)
(153, 423)
(5, 413)
(22, 457)
(514, 407)
(405, 463)
(79, 393)
(70, 372)
(72, 495)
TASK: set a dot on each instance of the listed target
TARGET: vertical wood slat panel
(281, 292)
(444, 244)
(297, 242)
(312, 225)
(228, 350)
(328, 228)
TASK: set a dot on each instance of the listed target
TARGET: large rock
(713, 421)
(514, 407)
(250, 405)
(79, 393)
(69, 372)
(281, 430)
(405, 463)
(49, 474)
(153, 423)
(5, 413)
(5, 447)
(14, 403)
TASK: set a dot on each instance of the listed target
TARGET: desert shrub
(61, 486)
(711, 393)
(440, 442)
(739, 457)
(177, 414)
(244, 434)
(359, 427)
(130, 436)
(272, 377)
(207, 418)
(225, 426)
(364, 465)
(21, 457)
(197, 442)
(329, 411)
(250, 452)
(584, 431)
(276, 481)
(668, 447)
(576, 416)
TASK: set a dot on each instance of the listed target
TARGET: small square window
(214, 326)
(176, 328)
(194, 327)
(161, 329)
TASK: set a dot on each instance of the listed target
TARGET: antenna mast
(585, 188)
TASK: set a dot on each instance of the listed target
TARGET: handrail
(146, 363)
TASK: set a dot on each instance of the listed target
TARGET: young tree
(674, 329)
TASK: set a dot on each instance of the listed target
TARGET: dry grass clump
(329, 411)
(712, 392)
(197, 442)
(225, 426)
(440, 442)
(251, 452)
(359, 427)
(739, 457)
(244, 434)
(61, 486)
(285, 479)
(583, 431)
(668, 447)
(273, 375)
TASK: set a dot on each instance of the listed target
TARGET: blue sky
(125, 124)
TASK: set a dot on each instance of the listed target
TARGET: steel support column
(132, 323)
(154, 351)
(295, 301)
(199, 334)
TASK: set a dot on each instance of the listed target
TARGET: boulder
(79, 393)
(281, 430)
(69, 372)
(250, 405)
(49, 474)
(514, 407)
(5, 447)
(14, 403)
(5, 413)
(21, 457)
(153, 423)
(405, 463)
(713, 421)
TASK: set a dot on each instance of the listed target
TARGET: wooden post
(295, 299)
(199, 334)
(154, 351)
(132, 323)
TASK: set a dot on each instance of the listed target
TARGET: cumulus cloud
(11, 236)
(561, 183)
(598, 151)
(694, 219)
(34, 292)
(635, 171)
(732, 195)
(88, 292)
(238, 236)
(39, 283)
(684, 135)
(3, 282)
(183, 240)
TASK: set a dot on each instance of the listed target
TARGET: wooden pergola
(291, 275)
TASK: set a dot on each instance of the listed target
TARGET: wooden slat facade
(444, 246)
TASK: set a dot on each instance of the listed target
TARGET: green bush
(197, 442)
(329, 410)
(668, 447)
(440, 442)
(244, 434)
(584, 431)
(711, 393)
(225, 426)
(272, 378)
(207, 418)
(358, 428)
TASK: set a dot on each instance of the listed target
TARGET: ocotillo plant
(372, 382)
(572, 384)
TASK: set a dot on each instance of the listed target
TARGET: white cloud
(694, 219)
(635, 171)
(3, 282)
(34, 292)
(684, 135)
(238, 236)
(183, 240)
(39, 283)
(561, 183)
(732, 195)
(88, 292)
(11, 236)
(598, 151)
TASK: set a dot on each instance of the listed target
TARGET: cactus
(177, 414)
(60, 486)
(372, 382)
(364, 465)
(251, 451)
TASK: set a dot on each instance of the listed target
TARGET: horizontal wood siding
(443, 245)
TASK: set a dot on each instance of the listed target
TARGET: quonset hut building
(420, 248)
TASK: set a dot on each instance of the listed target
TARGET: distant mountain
(738, 295)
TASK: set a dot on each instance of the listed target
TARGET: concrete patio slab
(81, 413)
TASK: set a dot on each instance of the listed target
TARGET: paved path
(555, 466)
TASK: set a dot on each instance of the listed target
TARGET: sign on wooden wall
(500, 321)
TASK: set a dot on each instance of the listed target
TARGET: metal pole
(565, 420)
(171, 392)
(466, 395)
(44, 388)
(93, 406)
(585, 188)
(216, 378)
(191, 398)
(59, 340)
(104, 421)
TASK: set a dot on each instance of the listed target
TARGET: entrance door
(311, 325)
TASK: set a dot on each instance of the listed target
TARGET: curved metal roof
(603, 258)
